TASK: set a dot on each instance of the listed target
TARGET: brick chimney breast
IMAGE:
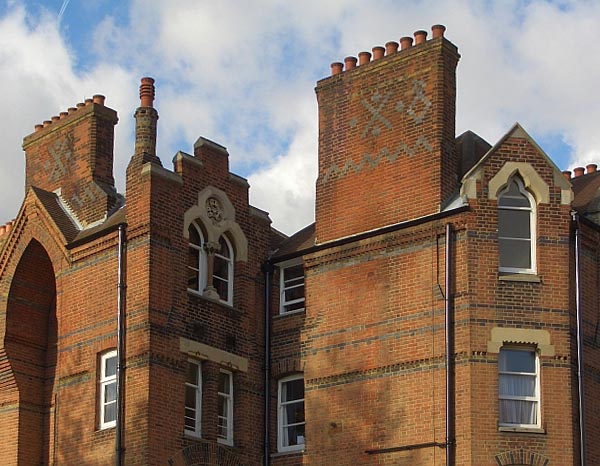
(73, 153)
(387, 137)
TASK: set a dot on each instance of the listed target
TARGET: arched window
(197, 263)
(223, 270)
(516, 227)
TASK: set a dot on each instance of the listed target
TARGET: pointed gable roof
(516, 131)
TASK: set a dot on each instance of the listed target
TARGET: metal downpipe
(267, 269)
(580, 387)
(121, 287)
(449, 351)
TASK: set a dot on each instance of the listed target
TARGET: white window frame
(228, 400)
(285, 285)
(103, 382)
(201, 268)
(282, 424)
(535, 398)
(229, 261)
(532, 227)
(197, 387)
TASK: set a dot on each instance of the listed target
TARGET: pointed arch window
(197, 259)
(223, 270)
(210, 265)
(516, 227)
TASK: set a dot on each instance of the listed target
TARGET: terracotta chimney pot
(62, 115)
(364, 58)
(2, 230)
(406, 42)
(578, 171)
(420, 37)
(38, 127)
(8, 226)
(591, 168)
(350, 63)
(80, 105)
(46, 123)
(147, 92)
(391, 47)
(88, 102)
(437, 31)
(337, 68)
(567, 174)
(98, 99)
(55, 118)
(378, 52)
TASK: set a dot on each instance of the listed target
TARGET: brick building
(441, 310)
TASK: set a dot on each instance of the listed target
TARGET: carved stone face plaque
(214, 209)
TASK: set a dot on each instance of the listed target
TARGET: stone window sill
(519, 277)
(522, 430)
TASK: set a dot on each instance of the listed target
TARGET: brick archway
(30, 347)
(520, 457)
(205, 453)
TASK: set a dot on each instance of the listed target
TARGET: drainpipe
(267, 269)
(579, 338)
(449, 352)
(121, 287)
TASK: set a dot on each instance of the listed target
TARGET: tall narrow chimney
(146, 118)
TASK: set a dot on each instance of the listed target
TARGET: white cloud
(243, 74)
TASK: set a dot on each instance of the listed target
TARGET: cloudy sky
(242, 73)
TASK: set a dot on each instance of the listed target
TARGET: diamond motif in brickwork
(61, 152)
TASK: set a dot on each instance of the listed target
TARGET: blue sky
(242, 73)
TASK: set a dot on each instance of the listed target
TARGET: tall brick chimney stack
(72, 154)
(146, 118)
(386, 136)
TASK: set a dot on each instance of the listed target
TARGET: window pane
(110, 392)
(513, 197)
(190, 420)
(518, 412)
(295, 272)
(221, 268)
(222, 288)
(295, 435)
(517, 385)
(294, 413)
(293, 390)
(511, 360)
(110, 412)
(297, 292)
(515, 253)
(190, 397)
(110, 366)
(192, 279)
(514, 223)
(192, 373)
(294, 307)
(193, 257)
(194, 236)
(224, 379)
(224, 248)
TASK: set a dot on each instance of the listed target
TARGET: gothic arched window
(516, 227)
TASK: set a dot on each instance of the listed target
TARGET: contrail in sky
(62, 9)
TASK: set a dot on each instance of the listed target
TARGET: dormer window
(292, 288)
(516, 227)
